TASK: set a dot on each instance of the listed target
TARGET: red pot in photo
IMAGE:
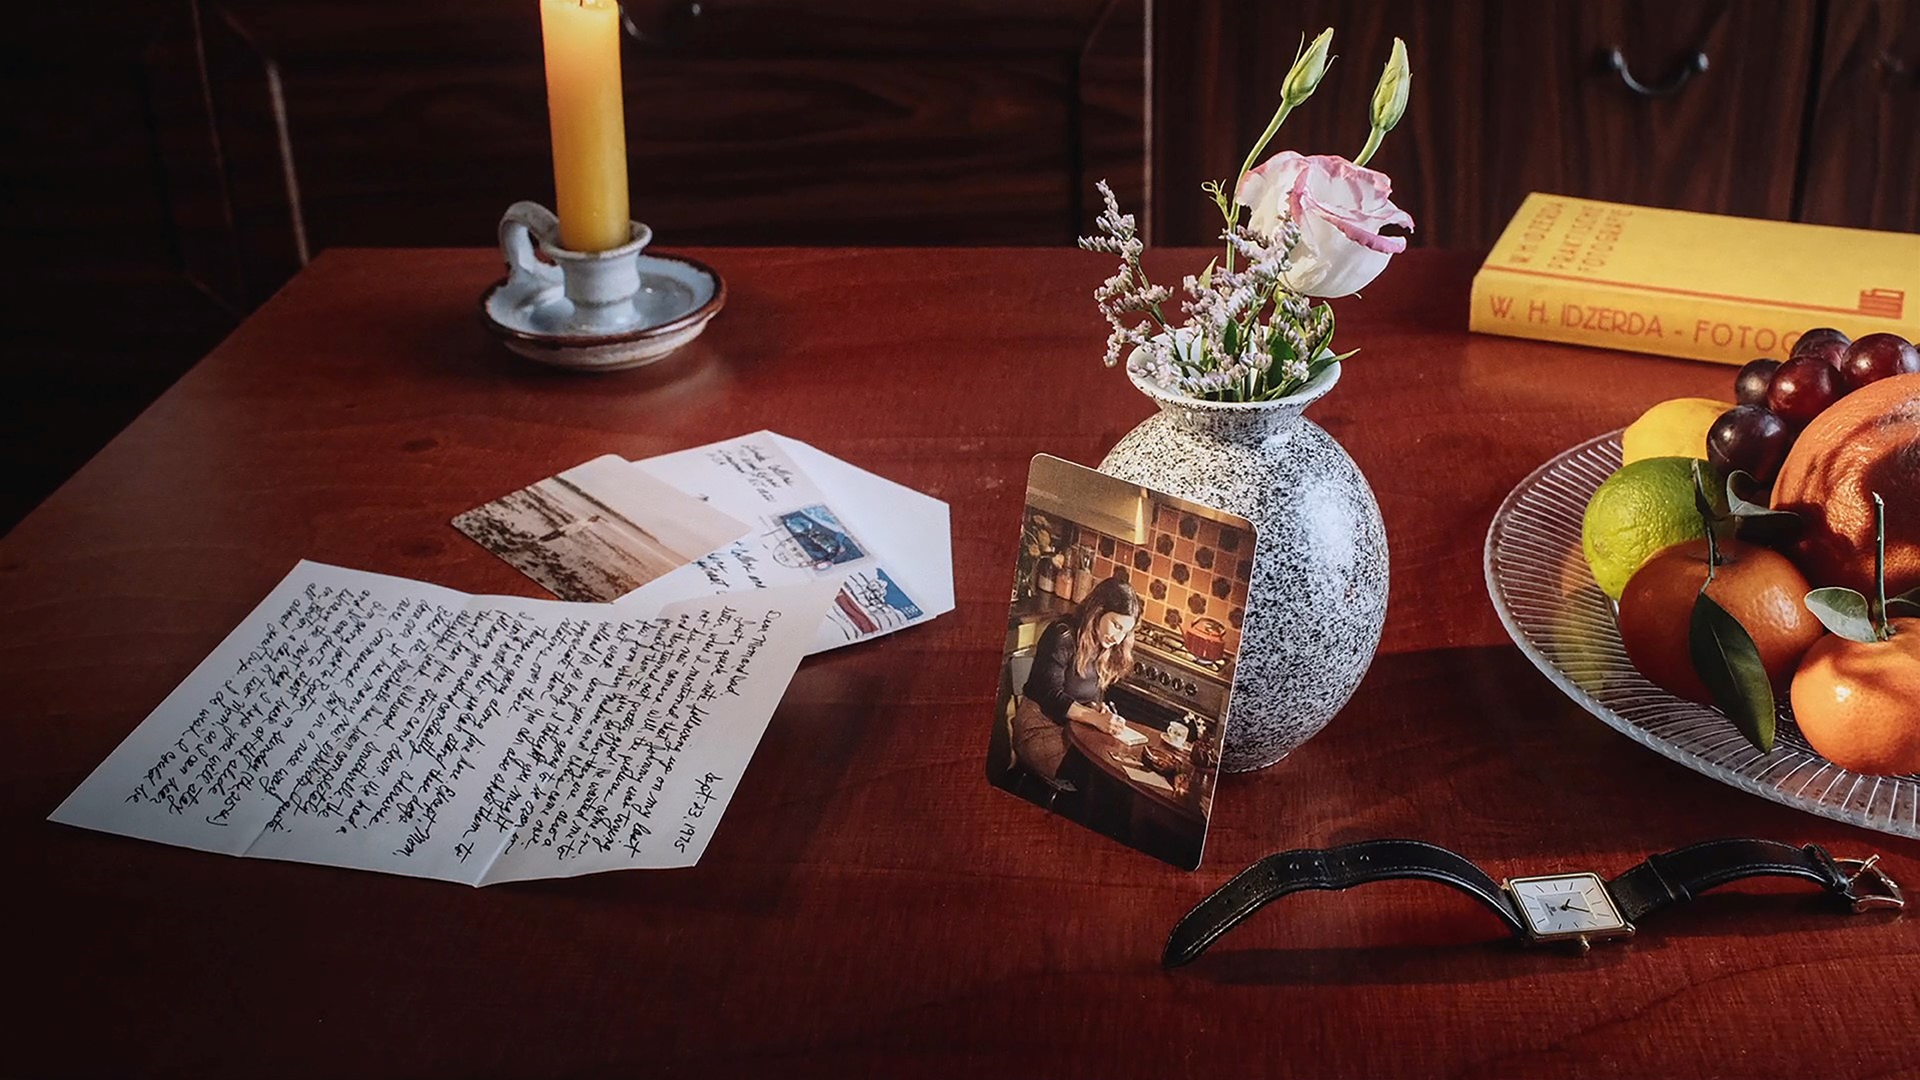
(1206, 639)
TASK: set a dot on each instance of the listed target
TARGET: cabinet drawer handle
(1695, 65)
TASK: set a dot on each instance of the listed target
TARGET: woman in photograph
(1078, 657)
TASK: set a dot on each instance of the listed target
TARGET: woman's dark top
(1053, 684)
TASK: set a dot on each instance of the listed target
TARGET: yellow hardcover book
(1701, 286)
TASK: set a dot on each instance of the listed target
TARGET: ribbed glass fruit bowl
(1549, 603)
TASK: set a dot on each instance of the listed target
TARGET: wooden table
(870, 905)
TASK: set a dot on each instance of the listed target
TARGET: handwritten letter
(360, 720)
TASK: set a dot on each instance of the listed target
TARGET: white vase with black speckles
(1317, 597)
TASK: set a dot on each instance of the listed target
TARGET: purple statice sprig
(1246, 337)
(1126, 296)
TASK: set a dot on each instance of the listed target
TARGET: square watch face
(1560, 905)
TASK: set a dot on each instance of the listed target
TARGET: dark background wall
(168, 164)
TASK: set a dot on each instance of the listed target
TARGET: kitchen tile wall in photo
(1187, 568)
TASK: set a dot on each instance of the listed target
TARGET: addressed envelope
(813, 517)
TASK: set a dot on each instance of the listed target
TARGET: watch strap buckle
(1868, 887)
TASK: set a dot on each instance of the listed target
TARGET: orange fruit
(1867, 441)
(1756, 585)
(1858, 703)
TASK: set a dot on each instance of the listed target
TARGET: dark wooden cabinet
(361, 122)
(1862, 156)
(1805, 110)
(101, 310)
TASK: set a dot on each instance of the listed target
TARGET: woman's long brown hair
(1115, 595)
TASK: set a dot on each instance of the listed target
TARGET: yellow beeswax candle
(582, 40)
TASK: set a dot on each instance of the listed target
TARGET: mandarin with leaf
(1858, 702)
(1856, 696)
(1757, 586)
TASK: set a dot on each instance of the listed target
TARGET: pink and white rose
(1340, 209)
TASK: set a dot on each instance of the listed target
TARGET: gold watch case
(1573, 908)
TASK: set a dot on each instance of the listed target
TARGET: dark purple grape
(1876, 357)
(1750, 386)
(1751, 439)
(1802, 389)
(1824, 342)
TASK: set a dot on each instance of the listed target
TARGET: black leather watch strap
(1331, 868)
(1683, 873)
(1660, 881)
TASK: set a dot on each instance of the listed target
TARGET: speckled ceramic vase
(1318, 593)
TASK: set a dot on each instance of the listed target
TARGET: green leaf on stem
(1727, 660)
(1324, 361)
(1755, 520)
(1326, 339)
(1843, 611)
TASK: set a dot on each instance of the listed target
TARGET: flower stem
(1140, 275)
(1273, 127)
(1373, 144)
(1230, 201)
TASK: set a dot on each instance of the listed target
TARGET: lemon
(1645, 506)
(1676, 428)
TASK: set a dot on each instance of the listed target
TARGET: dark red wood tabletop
(870, 905)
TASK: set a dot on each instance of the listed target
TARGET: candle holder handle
(594, 310)
(524, 223)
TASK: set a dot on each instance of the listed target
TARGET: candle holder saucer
(595, 311)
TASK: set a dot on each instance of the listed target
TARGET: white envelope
(889, 545)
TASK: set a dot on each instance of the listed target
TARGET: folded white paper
(355, 719)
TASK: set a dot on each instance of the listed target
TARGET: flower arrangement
(1313, 231)
(1039, 536)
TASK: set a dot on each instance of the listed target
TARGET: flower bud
(1390, 97)
(1308, 70)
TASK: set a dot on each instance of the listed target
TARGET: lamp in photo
(581, 290)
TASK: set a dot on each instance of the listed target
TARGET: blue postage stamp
(820, 537)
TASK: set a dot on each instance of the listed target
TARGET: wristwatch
(1575, 908)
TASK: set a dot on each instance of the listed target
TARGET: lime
(1676, 428)
(1646, 506)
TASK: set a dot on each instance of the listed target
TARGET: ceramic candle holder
(598, 287)
(594, 310)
